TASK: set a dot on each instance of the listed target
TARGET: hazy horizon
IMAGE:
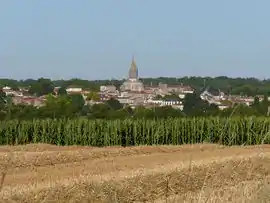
(95, 40)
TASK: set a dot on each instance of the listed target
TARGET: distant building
(132, 83)
(6, 88)
(74, 89)
(10, 92)
(108, 88)
(34, 101)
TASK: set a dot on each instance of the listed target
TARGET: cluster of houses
(134, 93)
(22, 96)
(225, 101)
(150, 96)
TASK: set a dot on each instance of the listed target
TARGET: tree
(256, 101)
(167, 112)
(100, 111)
(114, 104)
(57, 107)
(212, 110)
(193, 105)
(3, 112)
(41, 87)
(240, 110)
(264, 105)
(2, 98)
(142, 112)
(118, 114)
(23, 112)
(62, 91)
(77, 102)
(93, 96)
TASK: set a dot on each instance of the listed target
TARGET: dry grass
(192, 173)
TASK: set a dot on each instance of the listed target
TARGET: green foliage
(142, 112)
(57, 107)
(2, 99)
(43, 86)
(244, 86)
(23, 112)
(195, 106)
(71, 106)
(77, 102)
(235, 131)
(93, 96)
(62, 91)
(172, 97)
(99, 111)
(114, 104)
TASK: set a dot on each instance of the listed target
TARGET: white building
(74, 90)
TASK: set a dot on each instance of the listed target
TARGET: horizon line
(118, 78)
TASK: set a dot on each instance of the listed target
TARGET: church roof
(133, 63)
(133, 71)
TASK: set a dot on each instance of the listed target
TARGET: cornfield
(233, 131)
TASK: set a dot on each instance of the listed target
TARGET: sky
(96, 39)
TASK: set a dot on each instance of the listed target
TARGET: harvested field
(187, 173)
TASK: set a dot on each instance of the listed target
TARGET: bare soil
(188, 173)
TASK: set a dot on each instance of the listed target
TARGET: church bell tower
(133, 70)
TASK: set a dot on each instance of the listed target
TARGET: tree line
(234, 86)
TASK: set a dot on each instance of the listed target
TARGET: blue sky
(95, 39)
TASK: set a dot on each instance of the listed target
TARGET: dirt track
(182, 173)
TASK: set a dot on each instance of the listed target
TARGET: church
(133, 83)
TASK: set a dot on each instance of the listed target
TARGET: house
(74, 89)
(56, 90)
(34, 101)
(181, 90)
(6, 88)
(125, 100)
(108, 88)
(10, 92)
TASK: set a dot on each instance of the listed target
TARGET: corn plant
(130, 132)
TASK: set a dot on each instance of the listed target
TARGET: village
(134, 93)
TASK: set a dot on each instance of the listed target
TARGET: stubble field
(188, 173)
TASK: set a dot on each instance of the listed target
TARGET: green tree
(167, 112)
(114, 104)
(93, 96)
(195, 106)
(77, 102)
(240, 110)
(100, 111)
(41, 87)
(23, 112)
(264, 105)
(57, 107)
(2, 99)
(118, 114)
(142, 112)
(3, 112)
(62, 91)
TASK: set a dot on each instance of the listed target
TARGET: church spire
(133, 71)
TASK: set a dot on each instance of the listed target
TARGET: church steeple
(133, 70)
